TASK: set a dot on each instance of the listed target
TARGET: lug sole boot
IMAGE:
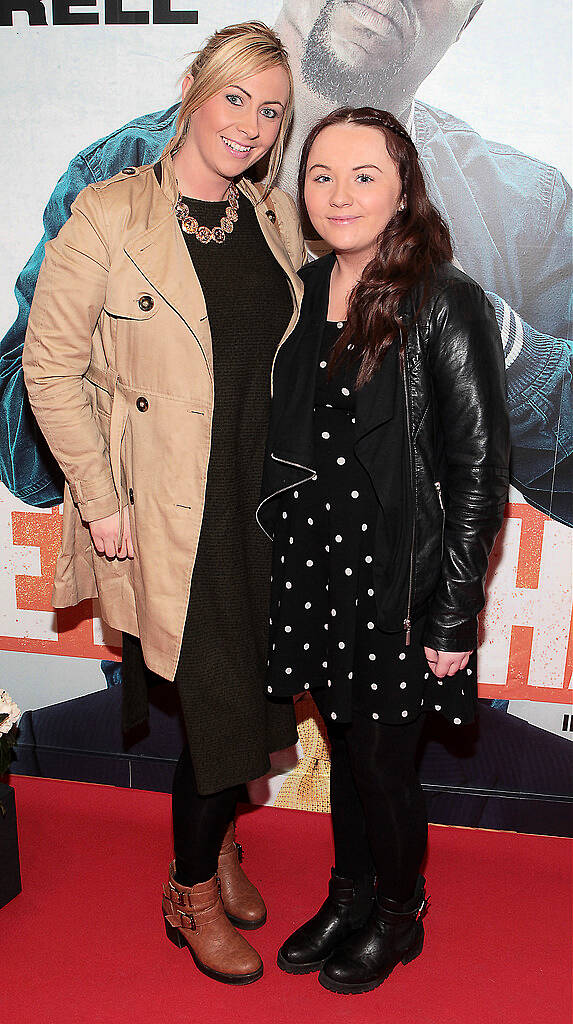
(394, 934)
(346, 908)
(243, 903)
(194, 917)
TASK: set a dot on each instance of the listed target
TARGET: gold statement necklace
(204, 234)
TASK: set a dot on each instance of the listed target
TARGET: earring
(402, 206)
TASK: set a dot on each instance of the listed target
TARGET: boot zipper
(407, 620)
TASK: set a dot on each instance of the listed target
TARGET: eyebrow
(266, 102)
(361, 167)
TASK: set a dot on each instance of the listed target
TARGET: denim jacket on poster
(510, 219)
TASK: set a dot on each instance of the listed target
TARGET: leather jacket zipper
(408, 620)
(282, 490)
(438, 487)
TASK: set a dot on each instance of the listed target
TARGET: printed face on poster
(458, 74)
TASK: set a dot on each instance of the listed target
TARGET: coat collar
(160, 253)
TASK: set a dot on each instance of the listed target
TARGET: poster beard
(324, 72)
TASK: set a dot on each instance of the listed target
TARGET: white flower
(9, 712)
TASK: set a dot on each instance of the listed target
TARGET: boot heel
(173, 934)
(414, 952)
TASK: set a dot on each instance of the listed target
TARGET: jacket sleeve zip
(438, 487)
(407, 620)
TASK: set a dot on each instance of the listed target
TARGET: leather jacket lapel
(291, 429)
(376, 401)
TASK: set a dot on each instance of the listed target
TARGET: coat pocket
(165, 446)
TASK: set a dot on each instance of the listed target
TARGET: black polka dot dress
(323, 631)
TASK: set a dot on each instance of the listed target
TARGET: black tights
(377, 803)
(199, 823)
(378, 809)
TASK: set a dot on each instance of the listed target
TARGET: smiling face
(374, 52)
(352, 188)
(235, 128)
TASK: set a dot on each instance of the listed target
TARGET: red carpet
(84, 942)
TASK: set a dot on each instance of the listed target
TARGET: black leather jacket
(450, 396)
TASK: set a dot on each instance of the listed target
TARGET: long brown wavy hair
(410, 248)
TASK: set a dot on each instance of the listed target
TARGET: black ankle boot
(346, 908)
(393, 933)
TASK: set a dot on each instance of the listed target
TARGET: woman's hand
(105, 536)
(446, 663)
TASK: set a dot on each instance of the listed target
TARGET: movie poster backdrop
(485, 98)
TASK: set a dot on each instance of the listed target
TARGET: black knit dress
(323, 631)
(221, 671)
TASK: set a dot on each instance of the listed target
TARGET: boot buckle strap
(175, 896)
(395, 916)
(178, 920)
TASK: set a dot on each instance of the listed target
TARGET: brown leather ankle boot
(242, 900)
(194, 917)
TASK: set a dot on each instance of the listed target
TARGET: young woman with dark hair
(385, 482)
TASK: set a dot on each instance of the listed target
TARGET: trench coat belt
(108, 381)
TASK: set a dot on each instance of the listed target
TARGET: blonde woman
(158, 311)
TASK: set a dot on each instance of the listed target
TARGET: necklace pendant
(181, 209)
(190, 225)
(203, 234)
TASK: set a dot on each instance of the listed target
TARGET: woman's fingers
(126, 550)
(431, 657)
(97, 542)
(446, 663)
(129, 543)
(105, 536)
(111, 548)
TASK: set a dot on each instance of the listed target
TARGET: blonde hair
(235, 52)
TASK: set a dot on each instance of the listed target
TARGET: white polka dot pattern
(324, 620)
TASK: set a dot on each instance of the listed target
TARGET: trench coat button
(129, 170)
(142, 404)
(272, 216)
(131, 498)
(145, 303)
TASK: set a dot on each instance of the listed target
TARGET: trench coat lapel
(160, 253)
(162, 257)
(273, 239)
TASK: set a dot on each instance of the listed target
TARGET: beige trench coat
(119, 369)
